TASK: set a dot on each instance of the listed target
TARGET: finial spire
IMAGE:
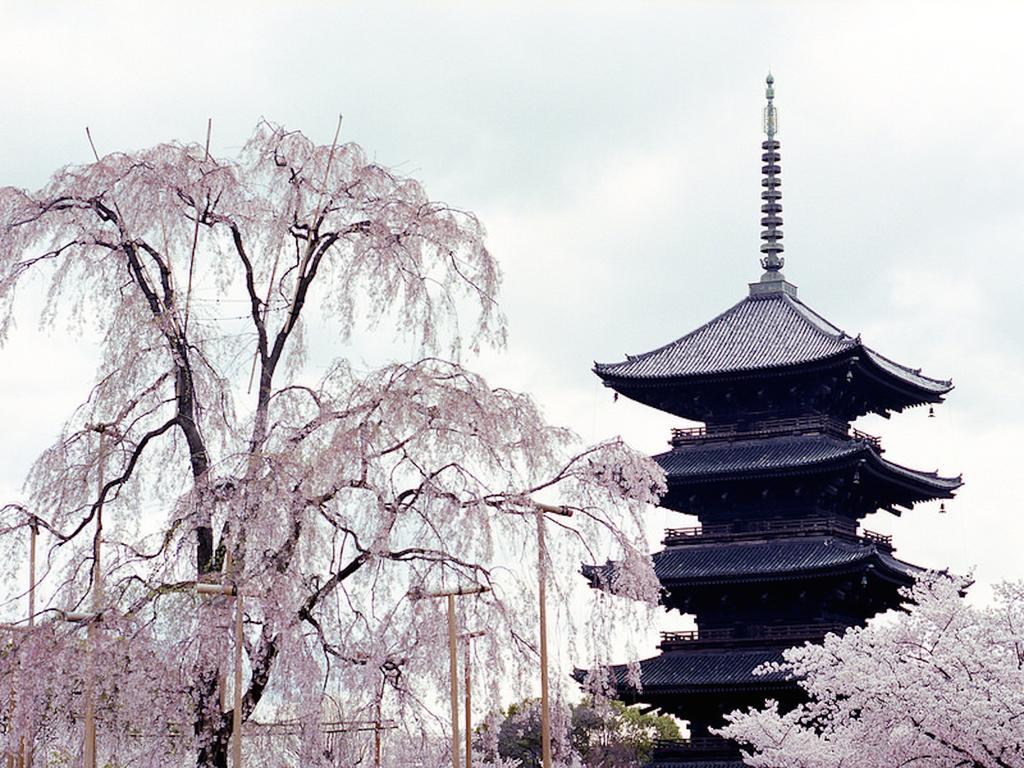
(772, 281)
(771, 208)
(771, 121)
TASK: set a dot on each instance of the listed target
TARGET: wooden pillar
(454, 672)
(378, 745)
(33, 536)
(89, 746)
(236, 736)
(545, 711)
(469, 705)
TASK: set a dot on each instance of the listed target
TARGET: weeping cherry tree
(210, 452)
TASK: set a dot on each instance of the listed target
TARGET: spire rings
(771, 235)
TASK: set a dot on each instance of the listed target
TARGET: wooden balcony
(799, 425)
(667, 748)
(815, 526)
(789, 634)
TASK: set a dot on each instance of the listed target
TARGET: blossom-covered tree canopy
(208, 450)
(940, 686)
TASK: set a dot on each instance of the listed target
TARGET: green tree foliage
(605, 734)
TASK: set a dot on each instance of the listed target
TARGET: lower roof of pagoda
(695, 672)
(709, 461)
(784, 559)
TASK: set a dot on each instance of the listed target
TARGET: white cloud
(613, 153)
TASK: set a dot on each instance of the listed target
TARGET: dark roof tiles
(758, 333)
(676, 670)
(709, 460)
(771, 560)
(778, 558)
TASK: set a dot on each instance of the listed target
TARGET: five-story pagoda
(779, 481)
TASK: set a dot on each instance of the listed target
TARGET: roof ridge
(908, 369)
(819, 322)
(920, 473)
(812, 316)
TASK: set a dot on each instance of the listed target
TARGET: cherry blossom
(209, 451)
(939, 685)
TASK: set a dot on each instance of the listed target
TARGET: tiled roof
(774, 559)
(761, 332)
(676, 670)
(779, 558)
(709, 460)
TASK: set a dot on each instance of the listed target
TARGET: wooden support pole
(236, 746)
(33, 536)
(476, 589)
(89, 746)
(378, 745)
(469, 707)
(545, 711)
(11, 754)
(454, 675)
(468, 637)
(417, 593)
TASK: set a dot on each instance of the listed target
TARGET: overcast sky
(613, 152)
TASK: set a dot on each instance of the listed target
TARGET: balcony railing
(881, 539)
(798, 425)
(790, 633)
(836, 526)
(670, 747)
(875, 442)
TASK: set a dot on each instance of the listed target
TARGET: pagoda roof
(763, 332)
(684, 671)
(780, 559)
(775, 559)
(712, 460)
